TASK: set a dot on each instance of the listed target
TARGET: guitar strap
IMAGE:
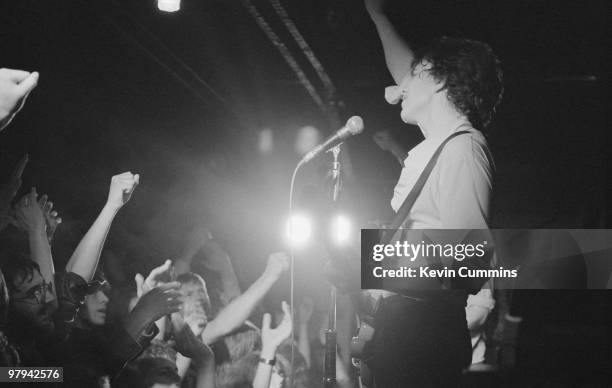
(404, 210)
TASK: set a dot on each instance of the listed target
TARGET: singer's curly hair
(471, 74)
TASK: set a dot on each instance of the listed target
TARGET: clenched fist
(121, 188)
(277, 264)
(15, 85)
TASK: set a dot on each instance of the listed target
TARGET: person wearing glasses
(30, 323)
(8, 353)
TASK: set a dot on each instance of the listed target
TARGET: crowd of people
(172, 328)
(171, 333)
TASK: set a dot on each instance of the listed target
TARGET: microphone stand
(329, 366)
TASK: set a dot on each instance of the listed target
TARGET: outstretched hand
(15, 86)
(121, 188)
(272, 338)
(154, 279)
(158, 302)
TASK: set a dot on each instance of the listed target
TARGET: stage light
(341, 229)
(169, 5)
(299, 229)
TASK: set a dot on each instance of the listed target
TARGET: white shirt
(478, 308)
(456, 196)
(457, 193)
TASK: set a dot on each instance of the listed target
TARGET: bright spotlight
(341, 229)
(169, 5)
(298, 229)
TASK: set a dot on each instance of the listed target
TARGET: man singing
(451, 85)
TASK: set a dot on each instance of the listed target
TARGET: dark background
(110, 100)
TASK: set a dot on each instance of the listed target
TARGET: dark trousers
(419, 343)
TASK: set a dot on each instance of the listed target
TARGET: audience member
(15, 86)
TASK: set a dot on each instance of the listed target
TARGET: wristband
(267, 361)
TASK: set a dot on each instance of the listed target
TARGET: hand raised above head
(278, 263)
(158, 302)
(154, 279)
(15, 86)
(29, 215)
(52, 218)
(272, 338)
(375, 6)
(121, 188)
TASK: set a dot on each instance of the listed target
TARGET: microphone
(353, 126)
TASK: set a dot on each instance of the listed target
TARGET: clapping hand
(154, 279)
(154, 298)
(52, 218)
(162, 300)
(29, 215)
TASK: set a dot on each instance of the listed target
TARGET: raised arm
(197, 239)
(235, 313)
(270, 341)
(213, 258)
(398, 54)
(85, 258)
(218, 261)
(31, 218)
(15, 86)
